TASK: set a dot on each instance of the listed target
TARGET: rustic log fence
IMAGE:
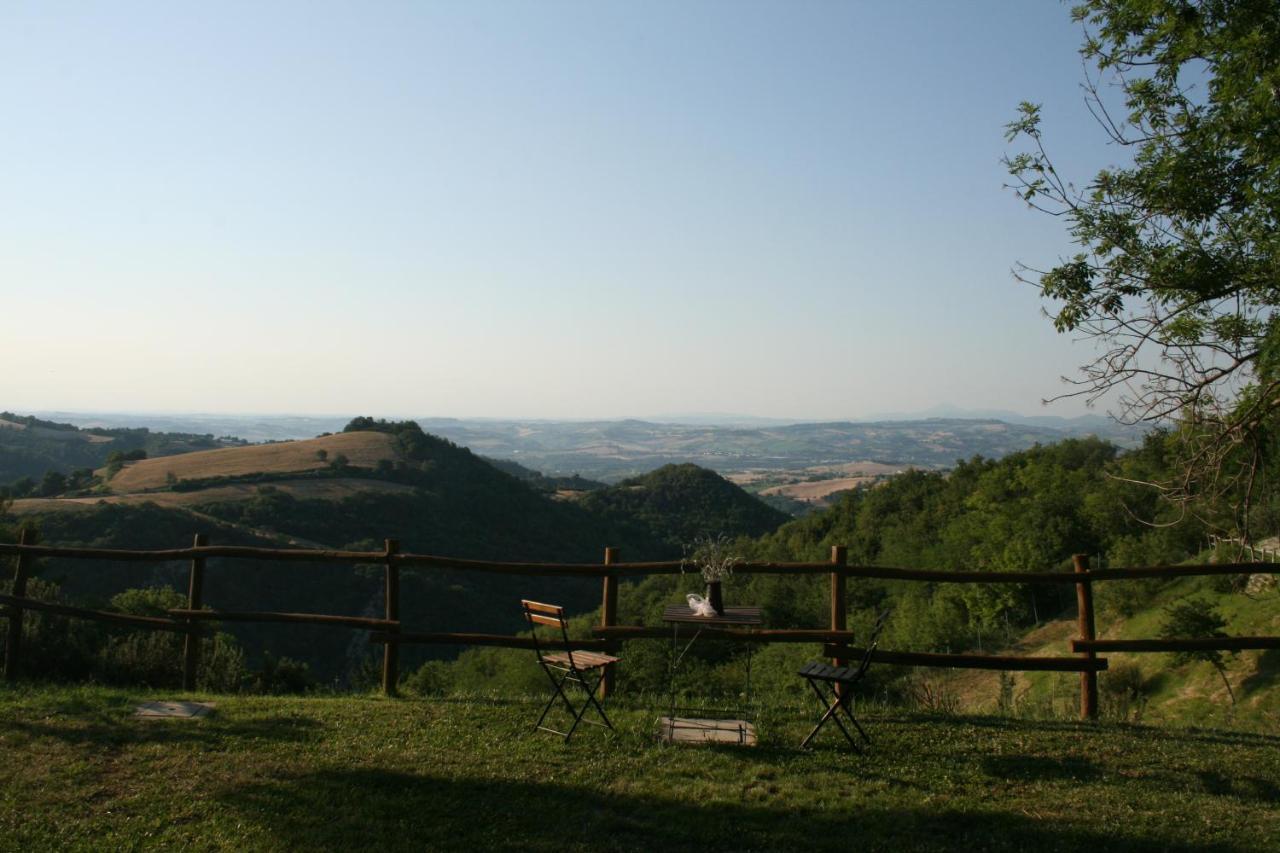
(387, 631)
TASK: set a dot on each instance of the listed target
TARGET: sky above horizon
(555, 210)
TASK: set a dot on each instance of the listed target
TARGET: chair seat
(826, 672)
(582, 660)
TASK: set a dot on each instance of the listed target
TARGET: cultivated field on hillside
(362, 449)
(816, 491)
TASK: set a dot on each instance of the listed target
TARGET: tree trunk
(1222, 671)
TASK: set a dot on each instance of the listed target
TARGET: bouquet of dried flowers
(712, 556)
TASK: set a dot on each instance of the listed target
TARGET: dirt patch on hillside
(362, 449)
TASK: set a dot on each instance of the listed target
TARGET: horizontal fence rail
(466, 639)
(154, 623)
(660, 567)
(388, 630)
(296, 618)
(1207, 644)
(1020, 663)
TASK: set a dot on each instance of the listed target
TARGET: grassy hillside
(362, 450)
(341, 774)
(1151, 687)
(31, 447)
(396, 482)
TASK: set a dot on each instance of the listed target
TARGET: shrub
(433, 678)
(1124, 689)
(278, 676)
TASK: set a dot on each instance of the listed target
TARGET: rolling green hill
(30, 447)
(679, 503)
(431, 495)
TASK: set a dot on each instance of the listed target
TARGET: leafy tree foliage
(682, 503)
(1193, 619)
(1180, 247)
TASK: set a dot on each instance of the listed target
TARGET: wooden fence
(834, 638)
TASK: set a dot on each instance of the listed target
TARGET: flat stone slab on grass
(691, 730)
(174, 710)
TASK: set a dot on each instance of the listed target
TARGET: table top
(731, 616)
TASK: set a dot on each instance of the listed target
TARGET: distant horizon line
(943, 411)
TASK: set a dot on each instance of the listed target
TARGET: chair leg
(835, 718)
(591, 696)
(557, 686)
(832, 707)
(590, 689)
(546, 709)
(855, 722)
(577, 713)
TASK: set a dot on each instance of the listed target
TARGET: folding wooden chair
(839, 682)
(566, 667)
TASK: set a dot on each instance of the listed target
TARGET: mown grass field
(362, 449)
(335, 773)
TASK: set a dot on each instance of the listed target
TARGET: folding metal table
(695, 729)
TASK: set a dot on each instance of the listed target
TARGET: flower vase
(716, 597)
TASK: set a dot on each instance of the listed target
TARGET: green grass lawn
(466, 774)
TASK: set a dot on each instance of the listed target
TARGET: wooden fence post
(609, 616)
(195, 601)
(13, 647)
(391, 651)
(1084, 609)
(839, 557)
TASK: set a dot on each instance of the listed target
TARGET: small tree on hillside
(54, 482)
(1196, 619)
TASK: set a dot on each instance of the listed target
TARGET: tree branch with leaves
(1177, 277)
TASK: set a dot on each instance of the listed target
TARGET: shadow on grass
(117, 729)
(1252, 788)
(345, 809)
(1225, 737)
(1266, 676)
(1035, 768)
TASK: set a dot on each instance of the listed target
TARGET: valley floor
(466, 774)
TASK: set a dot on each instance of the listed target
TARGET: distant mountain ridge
(1093, 424)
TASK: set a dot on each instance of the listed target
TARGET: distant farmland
(816, 491)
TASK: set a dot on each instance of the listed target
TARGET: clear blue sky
(528, 209)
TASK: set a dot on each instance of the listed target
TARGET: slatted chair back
(873, 640)
(550, 616)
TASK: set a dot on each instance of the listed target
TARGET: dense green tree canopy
(1178, 273)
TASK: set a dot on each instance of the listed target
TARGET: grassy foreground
(341, 773)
